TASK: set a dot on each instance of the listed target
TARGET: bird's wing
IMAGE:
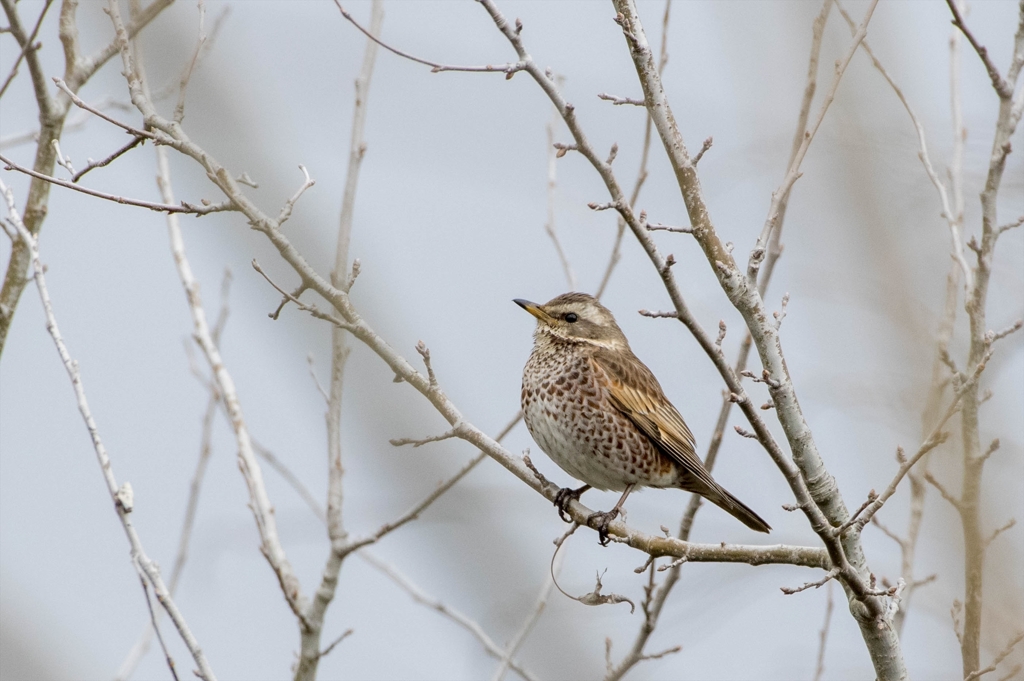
(634, 391)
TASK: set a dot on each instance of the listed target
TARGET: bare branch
(158, 207)
(399, 442)
(887, 532)
(186, 75)
(549, 225)
(316, 381)
(999, 658)
(61, 160)
(1016, 326)
(781, 314)
(953, 214)
(259, 499)
(77, 101)
(72, 125)
(141, 646)
(942, 490)
(741, 431)
(618, 101)
(641, 176)
(793, 173)
(658, 227)
(830, 575)
(424, 351)
(286, 210)
(290, 478)
(447, 611)
(109, 159)
(563, 149)
(813, 487)
(992, 447)
(1012, 225)
(659, 315)
(508, 69)
(819, 668)
(139, 557)
(1002, 88)
(1010, 523)
(703, 150)
(154, 624)
(934, 439)
(311, 309)
(344, 635)
(27, 45)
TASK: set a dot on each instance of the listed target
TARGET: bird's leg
(565, 497)
(602, 520)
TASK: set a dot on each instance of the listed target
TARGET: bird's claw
(564, 497)
(602, 521)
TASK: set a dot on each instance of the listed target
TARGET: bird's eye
(571, 318)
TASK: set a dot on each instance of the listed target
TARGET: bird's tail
(736, 508)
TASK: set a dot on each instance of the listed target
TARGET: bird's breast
(568, 413)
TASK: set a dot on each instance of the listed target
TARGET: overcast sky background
(449, 227)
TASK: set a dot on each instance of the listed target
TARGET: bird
(600, 414)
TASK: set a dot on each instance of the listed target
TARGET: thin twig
(793, 173)
(77, 101)
(1002, 88)
(186, 75)
(109, 159)
(951, 212)
(158, 207)
(141, 646)
(311, 309)
(260, 503)
(549, 225)
(999, 658)
(830, 575)
(71, 366)
(399, 442)
(619, 101)
(344, 635)
(286, 210)
(507, 69)
(819, 667)
(447, 611)
(1012, 225)
(156, 627)
(934, 439)
(28, 46)
(641, 174)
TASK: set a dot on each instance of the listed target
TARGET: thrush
(600, 414)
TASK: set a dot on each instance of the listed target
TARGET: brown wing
(635, 392)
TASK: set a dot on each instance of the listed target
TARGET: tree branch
(120, 495)
(1002, 88)
(509, 69)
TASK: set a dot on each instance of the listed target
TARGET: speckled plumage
(599, 413)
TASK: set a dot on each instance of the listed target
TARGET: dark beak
(532, 308)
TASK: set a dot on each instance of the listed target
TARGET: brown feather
(634, 391)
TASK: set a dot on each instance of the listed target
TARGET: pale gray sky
(449, 227)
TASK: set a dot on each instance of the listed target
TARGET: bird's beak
(533, 308)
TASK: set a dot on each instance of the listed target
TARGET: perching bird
(600, 414)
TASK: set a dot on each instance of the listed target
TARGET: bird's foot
(564, 497)
(601, 521)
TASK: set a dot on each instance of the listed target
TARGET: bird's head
(576, 317)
